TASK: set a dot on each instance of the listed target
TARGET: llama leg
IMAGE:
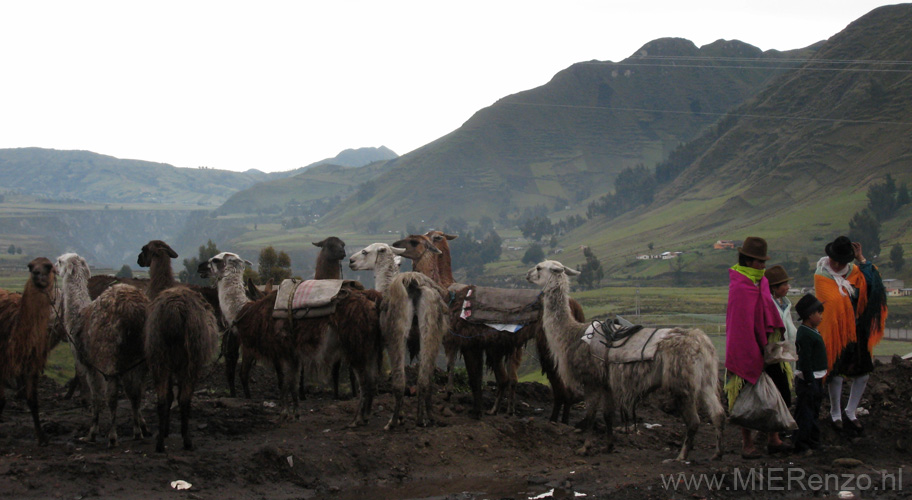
(32, 394)
(96, 397)
(451, 353)
(289, 390)
(163, 408)
(608, 412)
(111, 393)
(231, 350)
(593, 404)
(474, 361)
(246, 365)
(513, 379)
(184, 395)
(692, 424)
(496, 361)
(712, 406)
(396, 351)
(134, 392)
(366, 388)
(336, 367)
(430, 345)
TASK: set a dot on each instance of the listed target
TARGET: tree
(125, 272)
(591, 273)
(273, 265)
(533, 255)
(11, 250)
(865, 229)
(189, 273)
(902, 195)
(896, 257)
(536, 227)
(882, 199)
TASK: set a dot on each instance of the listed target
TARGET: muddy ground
(243, 450)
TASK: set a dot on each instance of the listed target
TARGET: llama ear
(397, 250)
(431, 248)
(171, 253)
(450, 236)
(247, 262)
(571, 271)
(319, 243)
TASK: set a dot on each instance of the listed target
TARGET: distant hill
(565, 141)
(92, 177)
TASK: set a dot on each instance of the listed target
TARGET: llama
(106, 336)
(24, 336)
(502, 350)
(329, 267)
(352, 329)
(181, 334)
(407, 298)
(685, 362)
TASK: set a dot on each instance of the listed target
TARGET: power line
(709, 113)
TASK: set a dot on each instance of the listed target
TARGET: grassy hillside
(565, 141)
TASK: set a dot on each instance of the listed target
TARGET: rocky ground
(244, 451)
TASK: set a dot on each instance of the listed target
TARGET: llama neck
(327, 269)
(561, 329)
(384, 272)
(426, 264)
(445, 267)
(231, 295)
(34, 316)
(75, 299)
(161, 276)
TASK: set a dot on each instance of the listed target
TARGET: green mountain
(792, 164)
(564, 142)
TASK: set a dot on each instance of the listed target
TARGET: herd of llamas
(124, 331)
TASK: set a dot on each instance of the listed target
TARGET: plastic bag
(777, 352)
(760, 407)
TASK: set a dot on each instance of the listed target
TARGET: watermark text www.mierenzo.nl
(783, 479)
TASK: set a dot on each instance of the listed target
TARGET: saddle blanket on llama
(621, 342)
(310, 298)
(503, 309)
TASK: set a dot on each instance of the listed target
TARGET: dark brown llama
(352, 330)
(24, 336)
(502, 351)
(181, 335)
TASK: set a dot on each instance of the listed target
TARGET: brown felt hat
(754, 247)
(776, 275)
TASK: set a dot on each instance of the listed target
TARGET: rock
(848, 463)
(536, 480)
(896, 360)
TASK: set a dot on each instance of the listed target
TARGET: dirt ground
(244, 451)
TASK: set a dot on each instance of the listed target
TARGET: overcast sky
(276, 85)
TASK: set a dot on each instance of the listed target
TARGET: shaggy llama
(685, 363)
(408, 298)
(181, 334)
(106, 337)
(24, 335)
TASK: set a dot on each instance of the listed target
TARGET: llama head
(221, 264)
(542, 273)
(333, 248)
(416, 246)
(41, 273)
(373, 255)
(70, 265)
(153, 249)
(440, 239)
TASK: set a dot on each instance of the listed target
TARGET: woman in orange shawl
(855, 311)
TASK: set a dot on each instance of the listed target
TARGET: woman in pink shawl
(751, 317)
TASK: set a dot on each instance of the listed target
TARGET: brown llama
(106, 337)
(412, 305)
(24, 320)
(685, 364)
(181, 335)
(352, 330)
(477, 342)
(329, 267)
